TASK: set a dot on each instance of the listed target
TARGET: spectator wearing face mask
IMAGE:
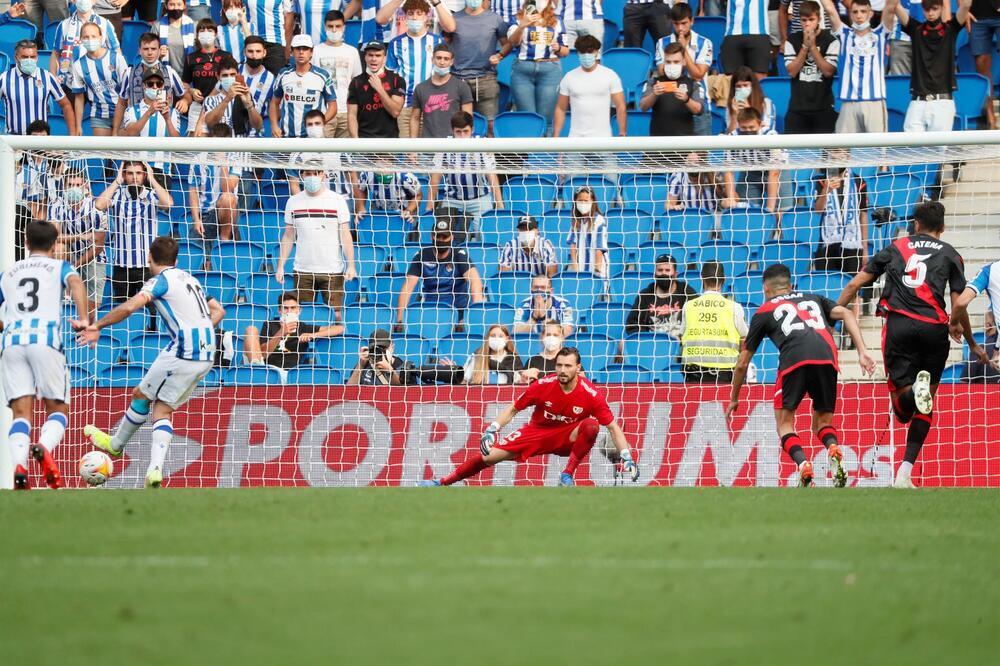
(201, 70)
(696, 60)
(26, 92)
(745, 93)
(439, 98)
(530, 252)
(67, 45)
(695, 191)
(270, 20)
(97, 77)
(177, 33)
(37, 181)
(755, 189)
(388, 191)
(83, 231)
(282, 342)
(231, 104)
(411, 55)
(674, 98)
(496, 361)
(313, 17)
(132, 90)
(343, 63)
(657, 308)
(153, 117)
(541, 307)
(393, 17)
(471, 185)
(588, 91)
(375, 97)
(258, 79)
(588, 236)
(544, 362)
(235, 28)
(338, 179)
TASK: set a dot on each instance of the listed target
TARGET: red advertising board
(387, 436)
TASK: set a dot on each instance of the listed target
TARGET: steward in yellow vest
(713, 327)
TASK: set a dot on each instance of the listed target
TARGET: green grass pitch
(478, 575)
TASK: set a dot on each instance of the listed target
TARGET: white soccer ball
(96, 468)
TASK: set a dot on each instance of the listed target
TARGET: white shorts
(171, 380)
(35, 370)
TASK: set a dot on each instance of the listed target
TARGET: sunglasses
(154, 84)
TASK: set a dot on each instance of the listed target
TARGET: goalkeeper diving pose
(175, 373)
(569, 412)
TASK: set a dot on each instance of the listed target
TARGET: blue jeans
(982, 35)
(703, 121)
(535, 85)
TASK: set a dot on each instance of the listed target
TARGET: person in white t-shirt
(343, 63)
(588, 91)
(318, 225)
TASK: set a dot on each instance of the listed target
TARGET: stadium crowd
(559, 267)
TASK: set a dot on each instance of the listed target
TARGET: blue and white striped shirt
(412, 58)
(513, 256)
(560, 311)
(746, 17)
(389, 191)
(539, 43)
(132, 89)
(988, 280)
(300, 94)
(267, 19)
(916, 12)
(693, 197)
(700, 50)
(370, 29)
(591, 239)
(101, 79)
(31, 299)
(180, 300)
(465, 174)
(230, 38)
(155, 126)
(207, 179)
(187, 32)
(66, 44)
(311, 16)
(862, 65)
(133, 227)
(26, 98)
(261, 87)
(33, 181)
(580, 10)
(83, 218)
(507, 9)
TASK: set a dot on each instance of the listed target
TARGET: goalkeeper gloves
(629, 465)
(489, 438)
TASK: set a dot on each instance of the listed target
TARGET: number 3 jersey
(179, 299)
(31, 296)
(917, 271)
(799, 326)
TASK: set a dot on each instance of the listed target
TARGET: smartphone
(669, 86)
(240, 79)
(161, 96)
(530, 7)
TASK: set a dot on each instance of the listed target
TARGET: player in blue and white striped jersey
(300, 89)
(861, 68)
(746, 42)
(31, 294)
(26, 91)
(100, 73)
(271, 21)
(191, 319)
(471, 184)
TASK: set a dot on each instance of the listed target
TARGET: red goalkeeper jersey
(554, 407)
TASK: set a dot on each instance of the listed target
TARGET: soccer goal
(473, 261)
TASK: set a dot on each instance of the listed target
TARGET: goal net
(595, 245)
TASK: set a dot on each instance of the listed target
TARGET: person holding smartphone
(673, 97)
(540, 41)
(281, 342)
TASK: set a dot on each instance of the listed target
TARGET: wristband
(493, 427)
(626, 455)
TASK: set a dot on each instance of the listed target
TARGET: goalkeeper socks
(19, 437)
(827, 436)
(52, 431)
(473, 465)
(586, 435)
(163, 432)
(793, 447)
(135, 416)
(905, 405)
(920, 426)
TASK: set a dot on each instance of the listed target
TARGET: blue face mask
(473, 4)
(414, 25)
(441, 71)
(313, 184)
(151, 93)
(741, 94)
(226, 82)
(28, 66)
(74, 194)
(588, 60)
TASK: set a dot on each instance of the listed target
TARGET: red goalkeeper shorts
(532, 440)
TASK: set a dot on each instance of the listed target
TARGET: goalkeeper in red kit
(569, 413)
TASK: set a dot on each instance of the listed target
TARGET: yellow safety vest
(710, 337)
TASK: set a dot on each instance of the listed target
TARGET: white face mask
(84, 6)
(497, 342)
(313, 184)
(672, 71)
(233, 15)
(206, 38)
(336, 36)
(290, 317)
(314, 131)
(584, 207)
(93, 44)
(742, 93)
(861, 27)
(526, 237)
(552, 342)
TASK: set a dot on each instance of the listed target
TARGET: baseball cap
(373, 46)
(302, 42)
(665, 258)
(380, 338)
(442, 227)
(152, 74)
(527, 223)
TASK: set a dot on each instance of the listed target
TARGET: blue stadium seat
(79, 356)
(779, 90)
(340, 353)
(255, 375)
(732, 256)
(480, 125)
(50, 34)
(220, 286)
(617, 373)
(581, 288)
(241, 315)
(899, 192)
(532, 194)
(14, 31)
(237, 257)
(382, 230)
(109, 351)
(556, 225)
(264, 289)
(369, 260)
(81, 377)
(749, 227)
(486, 258)
(747, 290)
(611, 31)
(629, 227)
(498, 226)
(632, 66)
(596, 351)
(480, 316)
(352, 32)
(608, 319)
(824, 283)
(651, 350)
(953, 374)
(511, 288)
(626, 286)
(131, 31)
(638, 123)
(797, 256)
(687, 228)
(645, 256)
(363, 319)
(458, 347)
(800, 225)
(412, 348)
(190, 255)
(318, 314)
(604, 190)
(431, 321)
(645, 192)
(384, 289)
(400, 257)
(120, 376)
(897, 93)
(713, 28)
(145, 347)
(123, 331)
(512, 124)
(973, 90)
(264, 227)
(897, 119)
(312, 375)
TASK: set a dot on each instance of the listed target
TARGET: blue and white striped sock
(19, 437)
(52, 431)
(163, 432)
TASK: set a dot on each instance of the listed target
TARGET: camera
(376, 354)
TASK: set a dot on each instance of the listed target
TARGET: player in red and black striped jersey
(798, 323)
(919, 270)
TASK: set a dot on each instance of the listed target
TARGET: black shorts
(754, 51)
(819, 381)
(811, 122)
(910, 346)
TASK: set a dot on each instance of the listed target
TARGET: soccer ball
(96, 468)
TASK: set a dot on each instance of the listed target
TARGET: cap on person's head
(442, 227)
(373, 46)
(302, 42)
(152, 74)
(380, 338)
(665, 258)
(527, 223)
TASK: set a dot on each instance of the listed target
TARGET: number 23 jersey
(799, 326)
(917, 270)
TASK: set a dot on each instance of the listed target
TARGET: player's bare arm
(92, 333)
(739, 377)
(857, 283)
(840, 313)
(960, 327)
(78, 292)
